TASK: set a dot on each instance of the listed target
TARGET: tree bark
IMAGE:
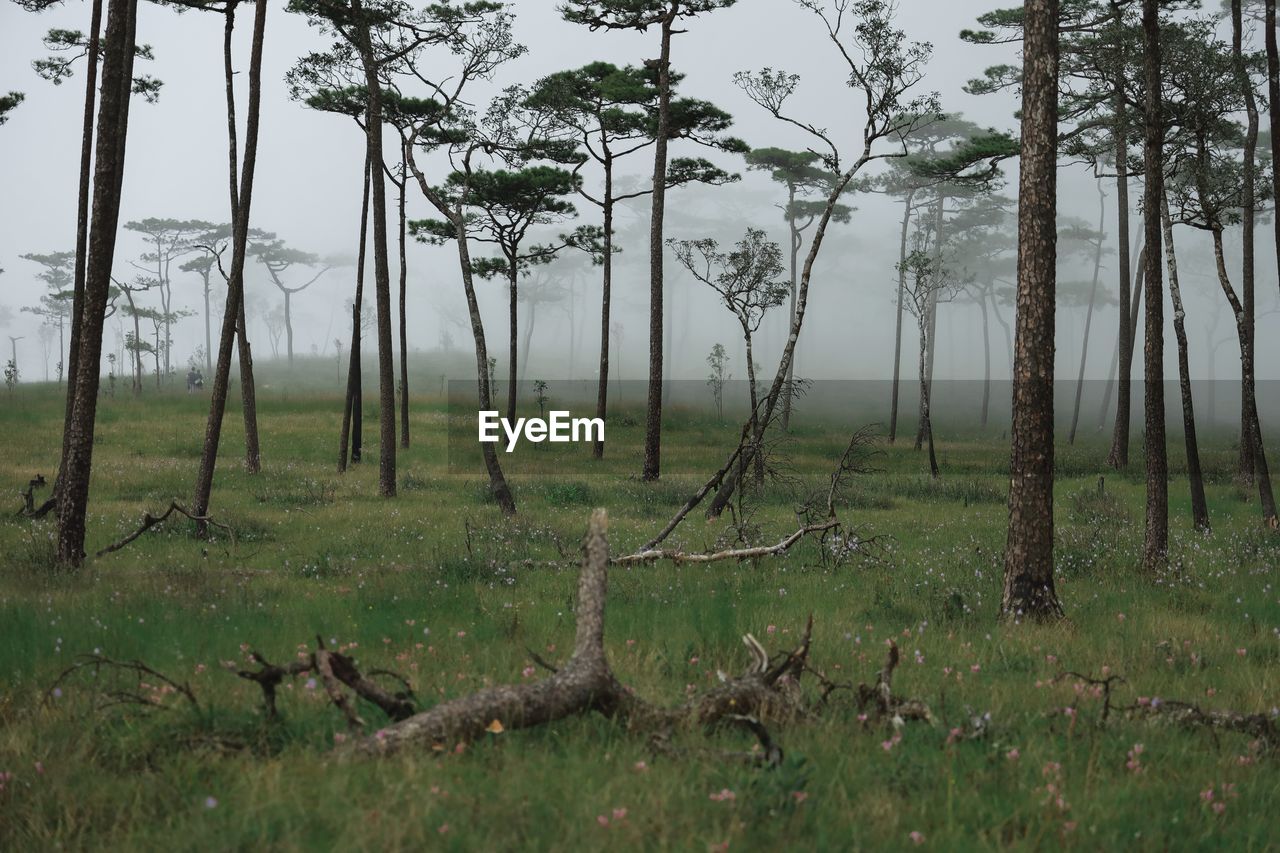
(795, 260)
(1028, 568)
(513, 284)
(986, 360)
(606, 300)
(1088, 317)
(82, 226)
(1273, 106)
(1119, 454)
(1195, 474)
(112, 131)
(897, 335)
(354, 405)
(404, 298)
(653, 410)
(1155, 548)
(381, 267)
(241, 198)
(1248, 214)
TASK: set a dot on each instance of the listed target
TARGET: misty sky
(309, 166)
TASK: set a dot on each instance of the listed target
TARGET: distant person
(195, 381)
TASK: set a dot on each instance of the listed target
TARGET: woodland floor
(431, 585)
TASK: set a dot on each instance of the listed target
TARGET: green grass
(432, 584)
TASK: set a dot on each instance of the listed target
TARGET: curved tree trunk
(1028, 559)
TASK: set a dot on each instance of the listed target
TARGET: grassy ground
(429, 584)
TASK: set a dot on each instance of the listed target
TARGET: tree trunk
(1028, 568)
(513, 333)
(208, 336)
(1199, 506)
(1248, 212)
(606, 298)
(926, 427)
(897, 335)
(527, 346)
(113, 118)
(352, 412)
(241, 198)
(498, 487)
(1155, 549)
(404, 298)
(986, 360)
(795, 260)
(653, 410)
(1119, 455)
(1088, 317)
(1273, 106)
(757, 433)
(288, 325)
(381, 270)
(82, 227)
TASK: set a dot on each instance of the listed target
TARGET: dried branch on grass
(134, 689)
(149, 521)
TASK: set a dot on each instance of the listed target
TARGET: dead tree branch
(149, 521)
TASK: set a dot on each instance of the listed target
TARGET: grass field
(432, 584)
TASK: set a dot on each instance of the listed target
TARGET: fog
(308, 187)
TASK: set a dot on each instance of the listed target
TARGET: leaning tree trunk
(498, 487)
(82, 226)
(926, 424)
(241, 198)
(1088, 317)
(381, 271)
(353, 407)
(1195, 474)
(1155, 548)
(757, 429)
(1028, 559)
(108, 178)
(606, 299)
(653, 409)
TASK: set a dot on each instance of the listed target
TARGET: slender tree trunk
(986, 360)
(1088, 317)
(82, 226)
(795, 260)
(288, 325)
(404, 300)
(757, 432)
(208, 335)
(897, 334)
(1248, 213)
(1155, 550)
(113, 117)
(527, 346)
(241, 198)
(926, 426)
(606, 299)
(1273, 106)
(513, 333)
(653, 411)
(1195, 474)
(1119, 454)
(352, 411)
(381, 270)
(1028, 569)
(498, 487)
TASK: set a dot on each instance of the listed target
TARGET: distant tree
(56, 303)
(807, 184)
(203, 265)
(278, 259)
(643, 15)
(136, 312)
(746, 280)
(169, 239)
(718, 361)
(1080, 235)
(612, 113)
(1028, 558)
